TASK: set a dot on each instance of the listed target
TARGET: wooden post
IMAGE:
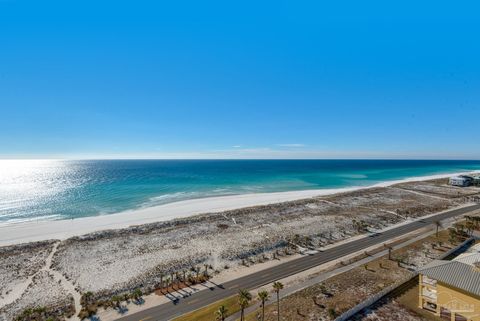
(420, 299)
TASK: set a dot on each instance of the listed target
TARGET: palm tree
(167, 282)
(470, 226)
(389, 250)
(277, 286)
(308, 241)
(172, 275)
(137, 294)
(244, 298)
(453, 235)
(206, 266)
(221, 313)
(116, 300)
(177, 275)
(88, 296)
(476, 221)
(438, 225)
(263, 296)
(459, 227)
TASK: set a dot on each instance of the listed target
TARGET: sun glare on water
(26, 183)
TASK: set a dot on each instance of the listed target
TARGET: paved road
(169, 311)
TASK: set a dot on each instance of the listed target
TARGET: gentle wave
(32, 219)
(181, 196)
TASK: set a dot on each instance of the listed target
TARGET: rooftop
(468, 258)
(461, 177)
(457, 274)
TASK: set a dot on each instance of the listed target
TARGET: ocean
(64, 189)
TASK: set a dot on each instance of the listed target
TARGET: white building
(462, 181)
(476, 180)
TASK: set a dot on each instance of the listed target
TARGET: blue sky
(239, 79)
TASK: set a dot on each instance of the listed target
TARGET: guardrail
(374, 298)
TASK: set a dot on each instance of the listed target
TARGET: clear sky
(240, 79)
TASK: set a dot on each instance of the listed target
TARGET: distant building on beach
(451, 289)
(476, 180)
(462, 181)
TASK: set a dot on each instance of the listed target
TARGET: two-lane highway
(169, 311)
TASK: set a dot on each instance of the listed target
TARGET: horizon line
(237, 159)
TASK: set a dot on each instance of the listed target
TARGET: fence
(455, 249)
(471, 199)
(374, 298)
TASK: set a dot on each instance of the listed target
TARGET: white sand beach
(63, 229)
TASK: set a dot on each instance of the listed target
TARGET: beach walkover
(169, 311)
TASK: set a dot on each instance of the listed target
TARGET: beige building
(451, 289)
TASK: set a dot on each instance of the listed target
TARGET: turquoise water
(51, 189)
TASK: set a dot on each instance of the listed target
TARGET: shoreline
(32, 231)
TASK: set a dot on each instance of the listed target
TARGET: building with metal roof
(451, 289)
(468, 258)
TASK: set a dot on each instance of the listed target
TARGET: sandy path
(47, 267)
(422, 194)
(22, 287)
(66, 284)
(17, 292)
